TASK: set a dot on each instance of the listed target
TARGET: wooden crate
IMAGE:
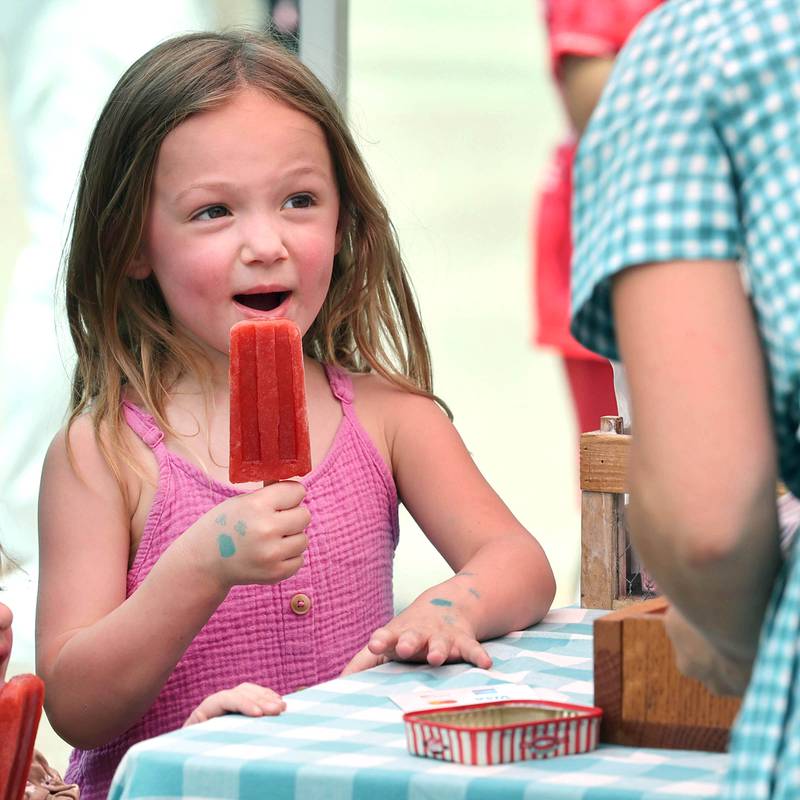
(646, 702)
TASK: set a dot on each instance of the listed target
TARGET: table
(344, 740)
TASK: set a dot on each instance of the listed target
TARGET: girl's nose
(263, 243)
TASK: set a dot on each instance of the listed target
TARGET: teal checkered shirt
(694, 153)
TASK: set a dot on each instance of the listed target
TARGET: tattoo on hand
(240, 527)
(221, 520)
(474, 592)
(438, 601)
(226, 546)
(449, 619)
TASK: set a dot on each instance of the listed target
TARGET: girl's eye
(212, 212)
(299, 201)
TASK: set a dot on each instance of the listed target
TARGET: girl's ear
(139, 268)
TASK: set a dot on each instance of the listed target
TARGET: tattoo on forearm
(439, 601)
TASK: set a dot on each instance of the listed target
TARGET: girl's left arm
(503, 580)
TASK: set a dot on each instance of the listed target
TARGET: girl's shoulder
(386, 399)
(387, 410)
(76, 448)
(81, 453)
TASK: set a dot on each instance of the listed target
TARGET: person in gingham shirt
(687, 266)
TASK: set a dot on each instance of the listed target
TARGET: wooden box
(646, 701)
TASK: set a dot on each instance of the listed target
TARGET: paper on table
(424, 699)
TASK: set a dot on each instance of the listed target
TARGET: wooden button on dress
(300, 604)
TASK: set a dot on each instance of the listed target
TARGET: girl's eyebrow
(299, 170)
(210, 185)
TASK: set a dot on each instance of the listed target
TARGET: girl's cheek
(6, 640)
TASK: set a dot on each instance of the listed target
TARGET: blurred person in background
(686, 265)
(61, 59)
(584, 39)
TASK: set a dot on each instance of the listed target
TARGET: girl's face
(243, 220)
(5, 640)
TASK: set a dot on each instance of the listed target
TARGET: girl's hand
(429, 630)
(246, 698)
(697, 658)
(253, 538)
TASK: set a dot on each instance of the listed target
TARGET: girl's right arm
(105, 657)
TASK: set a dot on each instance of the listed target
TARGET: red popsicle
(20, 708)
(269, 421)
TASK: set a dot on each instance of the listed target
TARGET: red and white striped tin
(507, 730)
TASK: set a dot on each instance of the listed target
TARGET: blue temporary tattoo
(240, 528)
(221, 519)
(449, 619)
(464, 574)
(226, 546)
(474, 592)
(438, 601)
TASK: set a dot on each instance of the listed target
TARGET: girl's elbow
(75, 725)
(65, 727)
(548, 586)
(543, 590)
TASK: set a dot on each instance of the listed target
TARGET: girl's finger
(409, 644)
(363, 659)
(439, 647)
(382, 641)
(292, 546)
(285, 495)
(247, 698)
(293, 521)
(473, 652)
(260, 697)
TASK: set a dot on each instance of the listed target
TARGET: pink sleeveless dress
(269, 635)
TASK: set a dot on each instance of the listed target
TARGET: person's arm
(504, 581)
(247, 699)
(583, 79)
(105, 657)
(702, 509)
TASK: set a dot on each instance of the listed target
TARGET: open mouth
(261, 301)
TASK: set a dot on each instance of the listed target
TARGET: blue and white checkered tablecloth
(344, 740)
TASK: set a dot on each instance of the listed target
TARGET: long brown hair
(121, 326)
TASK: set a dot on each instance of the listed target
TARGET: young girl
(221, 184)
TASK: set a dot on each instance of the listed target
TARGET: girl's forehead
(251, 127)
(251, 106)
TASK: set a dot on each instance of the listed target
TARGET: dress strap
(144, 426)
(341, 384)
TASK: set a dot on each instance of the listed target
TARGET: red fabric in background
(582, 28)
(591, 27)
(591, 385)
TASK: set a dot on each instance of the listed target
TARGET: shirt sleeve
(591, 27)
(653, 179)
